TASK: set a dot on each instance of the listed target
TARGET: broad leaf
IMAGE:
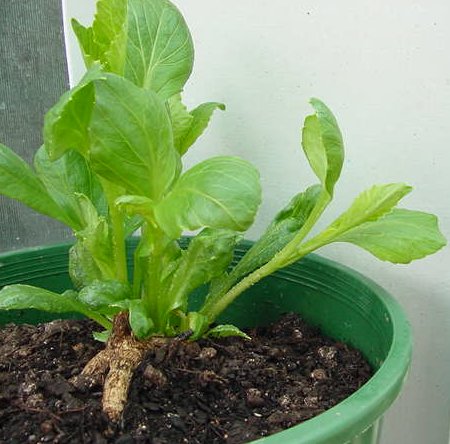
(65, 178)
(147, 42)
(159, 52)
(188, 126)
(131, 138)
(323, 145)
(221, 192)
(18, 181)
(208, 256)
(66, 125)
(20, 297)
(400, 236)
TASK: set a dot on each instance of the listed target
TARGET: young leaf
(159, 51)
(104, 293)
(279, 233)
(133, 205)
(89, 48)
(370, 205)
(101, 336)
(400, 236)
(201, 117)
(19, 297)
(196, 323)
(95, 238)
(105, 40)
(67, 176)
(224, 331)
(18, 181)
(131, 138)
(323, 145)
(208, 256)
(82, 267)
(140, 322)
(181, 119)
(221, 192)
(371, 222)
(189, 126)
(66, 123)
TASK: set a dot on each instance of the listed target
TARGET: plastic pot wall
(345, 304)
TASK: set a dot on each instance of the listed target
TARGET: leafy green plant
(111, 163)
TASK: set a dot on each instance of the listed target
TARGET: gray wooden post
(33, 74)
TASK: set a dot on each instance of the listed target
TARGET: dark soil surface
(227, 391)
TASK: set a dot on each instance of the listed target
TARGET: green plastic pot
(345, 304)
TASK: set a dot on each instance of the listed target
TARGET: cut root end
(114, 366)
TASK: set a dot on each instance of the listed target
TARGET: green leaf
(18, 181)
(66, 124)
(400, 236)
(370, 205)
(201, 117)
(189, 126)
(65, 178)
(181, 120)
(195, 322)
(95, 238)
(131, 137)
(133, 205)
(105, 41)
(104, 293)
(223, 331)
(20, 297)
(208, 256)
(147, 42)
(90, 50)
(140, 322)
(280, 232)
(159, 51)
(101, 336)
(371, 222)
(109, 29)
(82, 267)
(323, 145)
(131, 224)
(221, 192)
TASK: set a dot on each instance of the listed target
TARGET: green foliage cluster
(111, 163)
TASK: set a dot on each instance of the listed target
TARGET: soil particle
(228, 391)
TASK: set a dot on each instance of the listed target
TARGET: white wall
(384, 68)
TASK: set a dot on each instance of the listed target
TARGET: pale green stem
(118, 232)
(153, 272)
(105, 323)
(287, 255)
